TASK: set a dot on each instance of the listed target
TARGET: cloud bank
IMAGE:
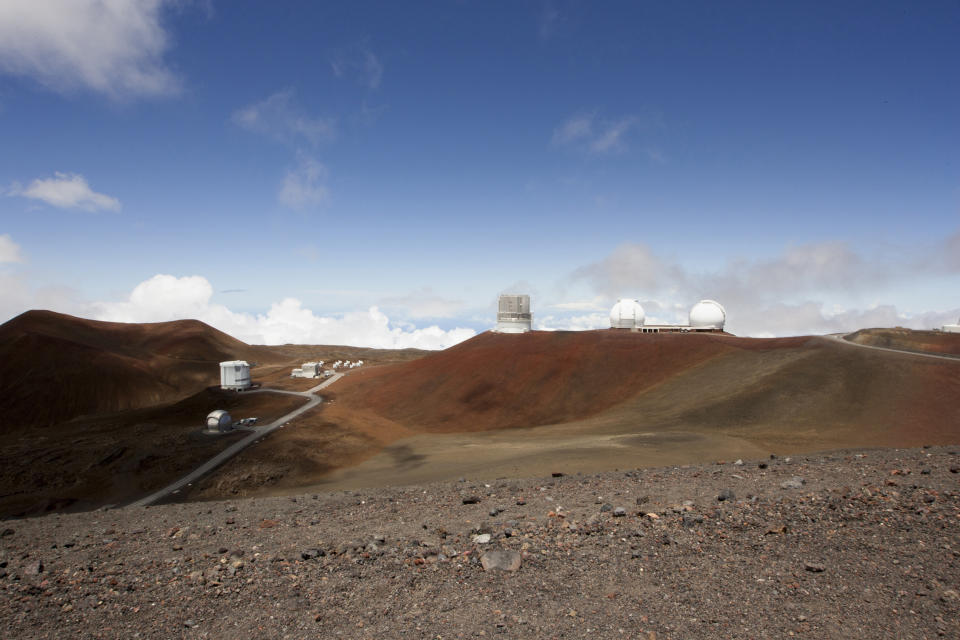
(66, 191)
(783, 295)
(166, 297)
(113, 47)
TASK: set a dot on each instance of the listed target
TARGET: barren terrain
(98, 413)
(846, 544)
(600, 401)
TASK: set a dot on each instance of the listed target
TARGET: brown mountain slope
(909, 340)
(603, 400)
(54, 367)
(496, 380)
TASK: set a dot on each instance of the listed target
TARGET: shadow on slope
(54, 367)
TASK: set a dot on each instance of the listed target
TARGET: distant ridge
(55, 367)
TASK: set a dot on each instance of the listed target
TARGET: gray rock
(691, 519)
(813, 567)
(619, 512)
(471, 500)
(796, 482)
(33, 568)
(606, 507)
(503, 560)
(481, 538)
(726, 494)
(310, 554)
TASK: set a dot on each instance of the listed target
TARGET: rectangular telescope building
(513, 313)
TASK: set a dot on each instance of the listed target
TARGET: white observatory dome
(708, 314)
(626, 314)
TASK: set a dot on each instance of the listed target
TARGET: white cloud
(783, 295)
(9, 250)
(304, 186)
(67, 191)
(114, 47)
(281, 118)
(360, 61)
(424, 304)
(165, 297)
(582, 322)
(588, 133)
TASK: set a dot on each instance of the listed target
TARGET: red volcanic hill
(519, 380)
(54, 367)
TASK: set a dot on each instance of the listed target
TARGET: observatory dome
(708, 314)
(626, 314)
(219, 420)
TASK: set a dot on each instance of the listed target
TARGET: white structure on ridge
(308, 370)
(219, 421)
(234, 375)
(513, 313)
(952, 328)
(706, 315)
(627, 314)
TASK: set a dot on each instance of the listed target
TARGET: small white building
(952, 328)
(219, 421)
(310, 369)
(234, 375)
(513, 313)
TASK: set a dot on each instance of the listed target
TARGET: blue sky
(377, 173)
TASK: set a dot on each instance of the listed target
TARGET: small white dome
(219, 420)
(626, 314)
(708, 314)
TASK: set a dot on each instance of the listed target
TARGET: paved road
(842, 337)
(237, 447)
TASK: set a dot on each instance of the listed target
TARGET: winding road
(237, 447)
(842, 337)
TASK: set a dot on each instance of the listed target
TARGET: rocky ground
(847, 544)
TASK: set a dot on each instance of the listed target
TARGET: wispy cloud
(360, 62)
(281, 118)
(115, 48)
(9, 250)
(304, 187)
(66, 191)
(589, 133)
(424, 303)
(548, 21)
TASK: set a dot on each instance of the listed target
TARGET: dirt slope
(54, 367)
(498, 381)
(118, 457)
(850, 544)
(603, 400)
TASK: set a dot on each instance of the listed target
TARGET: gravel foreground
(845, 544)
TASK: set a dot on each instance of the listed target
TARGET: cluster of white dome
(704, 316)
